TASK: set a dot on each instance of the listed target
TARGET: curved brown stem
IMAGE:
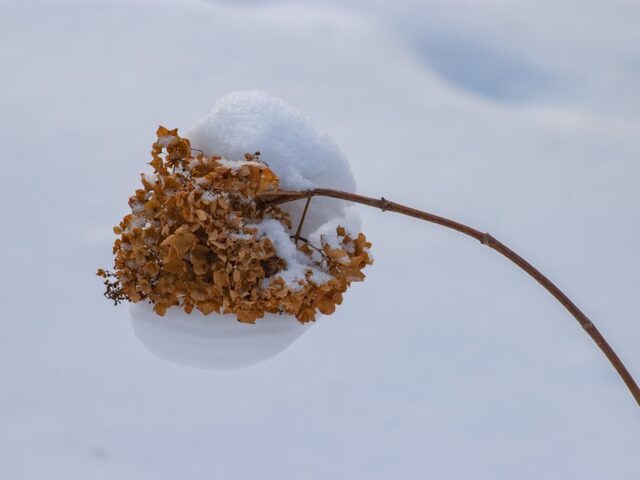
(276, 198)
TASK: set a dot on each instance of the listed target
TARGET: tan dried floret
(192, 241)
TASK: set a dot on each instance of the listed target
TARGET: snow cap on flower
(302, 156)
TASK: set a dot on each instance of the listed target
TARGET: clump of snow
(237, 164)
(196, 340)
(302, 156)
(166, 140)
(149, 178)
(137, 207)
(298, 264)
(349, 219)
(209, 197)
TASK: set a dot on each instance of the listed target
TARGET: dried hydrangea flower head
(196, 238)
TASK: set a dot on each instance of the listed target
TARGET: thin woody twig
(277, 198)
(304, 214)
(324, 256)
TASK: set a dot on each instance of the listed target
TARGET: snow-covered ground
(447, 362)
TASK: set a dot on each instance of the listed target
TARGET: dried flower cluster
(196, 238)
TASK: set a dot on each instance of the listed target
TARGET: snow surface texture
(302, 156)
(447, 363)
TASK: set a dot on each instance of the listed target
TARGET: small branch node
(486, 239)
(385, 204)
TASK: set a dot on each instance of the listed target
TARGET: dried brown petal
(187, 243)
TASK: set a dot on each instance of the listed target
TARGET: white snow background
(519, 118)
